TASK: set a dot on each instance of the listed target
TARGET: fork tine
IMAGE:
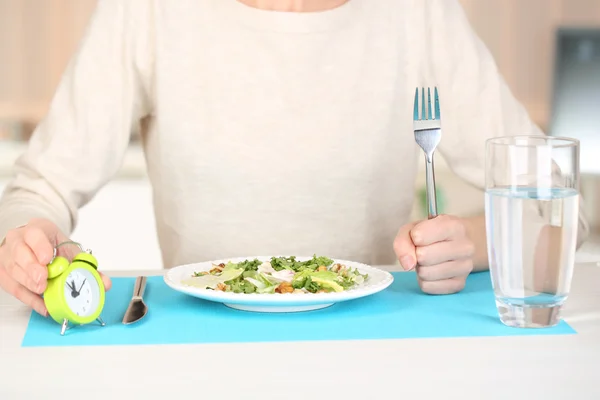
(429, 110)
(423, 114)
(416, 112)
(437, 104)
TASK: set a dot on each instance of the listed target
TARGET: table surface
(526, 367)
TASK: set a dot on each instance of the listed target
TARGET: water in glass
(532, 221)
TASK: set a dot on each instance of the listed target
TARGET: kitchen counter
(510, 367)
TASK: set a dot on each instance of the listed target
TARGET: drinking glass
(532, 216)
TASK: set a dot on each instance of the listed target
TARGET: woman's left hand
(440, 250)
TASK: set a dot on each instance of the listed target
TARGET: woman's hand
(24, 257)
(440, 250)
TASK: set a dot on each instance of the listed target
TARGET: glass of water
(532, 216)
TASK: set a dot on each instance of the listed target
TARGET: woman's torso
(276, 133)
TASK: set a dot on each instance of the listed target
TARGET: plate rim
(279, 299)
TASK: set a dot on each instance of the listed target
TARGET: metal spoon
(137, 308)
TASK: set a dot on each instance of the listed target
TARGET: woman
(273, 126)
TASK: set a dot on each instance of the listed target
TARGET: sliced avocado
(328, 283)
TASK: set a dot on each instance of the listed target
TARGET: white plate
(377, 281)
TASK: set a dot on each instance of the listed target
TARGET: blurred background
(547, 50)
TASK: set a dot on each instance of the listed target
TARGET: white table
(534, 367)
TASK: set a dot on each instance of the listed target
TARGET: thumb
(404, 247)
(49, 228)
(56, 237)
(106, 281)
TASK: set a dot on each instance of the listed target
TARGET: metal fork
(428, 132)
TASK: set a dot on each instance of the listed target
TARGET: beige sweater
(267, 132)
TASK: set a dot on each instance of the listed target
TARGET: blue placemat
(402, 311)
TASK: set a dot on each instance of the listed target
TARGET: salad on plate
(279, 275)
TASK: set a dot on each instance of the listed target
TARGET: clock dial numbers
(82, 292)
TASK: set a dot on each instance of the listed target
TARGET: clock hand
(69, 285)
(81, 287)
(74, 292)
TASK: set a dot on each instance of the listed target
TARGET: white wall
(118, 225)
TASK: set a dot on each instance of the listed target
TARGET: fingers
(447, 270)
(438, 229)
(106, 280)
(20, 292)
(404, 248)
(38, 241)
(447, 286)
(24, 259)
(442, 252)
(18, 274)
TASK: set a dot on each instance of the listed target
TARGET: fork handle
(430, 182)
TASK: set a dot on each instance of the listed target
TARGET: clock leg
(65, 327)
(100, 321)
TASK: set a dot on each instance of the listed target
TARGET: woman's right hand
(24, 257)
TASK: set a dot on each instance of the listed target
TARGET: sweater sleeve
(476, 103)
(80, 144)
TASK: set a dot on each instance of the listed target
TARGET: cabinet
(37, 39)
(521, 36)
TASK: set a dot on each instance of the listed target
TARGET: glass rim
(554, 141)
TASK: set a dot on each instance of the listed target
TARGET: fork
(428, 132)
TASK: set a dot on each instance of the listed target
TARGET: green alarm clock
(75, 293)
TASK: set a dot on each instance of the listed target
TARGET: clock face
(82, 292)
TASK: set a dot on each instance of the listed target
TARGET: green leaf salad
(279, 275)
